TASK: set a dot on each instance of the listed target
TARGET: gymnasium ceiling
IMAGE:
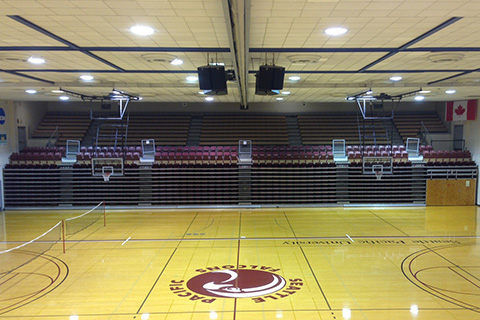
(433, 45)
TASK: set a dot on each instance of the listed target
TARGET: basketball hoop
(107, 171)
(378, 170)
(106, 176)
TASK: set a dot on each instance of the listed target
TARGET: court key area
(372, 263)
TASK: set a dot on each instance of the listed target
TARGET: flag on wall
(461, 110)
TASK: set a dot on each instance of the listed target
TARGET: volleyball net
(13, 258)
(78, 223)
(17, 256)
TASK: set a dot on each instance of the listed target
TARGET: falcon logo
(259, 283)
(236, 283)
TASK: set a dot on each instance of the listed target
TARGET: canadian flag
(461, 110)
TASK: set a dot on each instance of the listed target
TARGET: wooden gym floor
(315, 263)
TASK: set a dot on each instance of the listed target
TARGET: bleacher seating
(71, 126)
(409, 124)
(322, 129)
(166, 130)
(228, 130)
(263, 156)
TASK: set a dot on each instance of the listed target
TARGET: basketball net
(106, 176)
(378, 175)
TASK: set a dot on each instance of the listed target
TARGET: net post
(63, 235)
(104, 215)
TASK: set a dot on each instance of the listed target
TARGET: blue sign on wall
(2, 116)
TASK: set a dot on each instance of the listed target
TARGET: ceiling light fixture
(209, 99)
(396, 78)
(419, 98)
(140, 30)
(36, 60)
(285, 92)
(86, 77)
(64, 98)
(425, 91)
(294, 78)
(31, 91)
(335, 31)
(450, 91)
(176, 62)
(57, 91)
(191, 78)
(279, 99)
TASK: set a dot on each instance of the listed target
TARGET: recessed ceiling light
(294, 78)
(86, 77)
(450, 91)
(176, 62)
(335, 31)
(425, 91)
(36, 60)
(142, 30)
(396, 78)
(201, 92)
(279, 98)
(286, 93)
(57, 91)
(419, 98)
(31, 91)
(64, 98)
(209, 99)
(369, 92)
(191, 78)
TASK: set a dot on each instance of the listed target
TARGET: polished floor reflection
(305, 263)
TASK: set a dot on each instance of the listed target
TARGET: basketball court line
(309, 265)
(301, 242)
(164, 268)
(439, 237)
(393, 226)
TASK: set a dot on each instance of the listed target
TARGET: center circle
(236, 283)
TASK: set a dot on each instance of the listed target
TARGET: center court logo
(259, 283)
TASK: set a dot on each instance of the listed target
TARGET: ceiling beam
(234, 12)
(69, 44)
(427, 34)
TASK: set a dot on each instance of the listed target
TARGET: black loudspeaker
(269, 78)
(212, 80)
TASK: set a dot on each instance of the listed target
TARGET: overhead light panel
(396, 78)
(191, 78)
(176, 62)
(86, 77)
(335, 31)
(36, 60)
(31, 91)
(450, 91)
(140, 30)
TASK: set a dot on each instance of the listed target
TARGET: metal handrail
(55, 133)
(425, 135)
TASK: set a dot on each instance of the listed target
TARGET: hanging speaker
(212, 80)
(269, 80)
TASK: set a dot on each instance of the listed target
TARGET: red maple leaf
(460, 110)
